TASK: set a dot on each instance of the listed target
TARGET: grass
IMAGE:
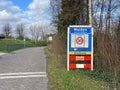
(61, 79)
(7, 41)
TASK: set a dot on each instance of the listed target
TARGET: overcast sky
(24, 11)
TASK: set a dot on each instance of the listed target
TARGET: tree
(73, 12)
(104, 12)
(55, 10)
(37, 32)
(20, 31)
(106, 37)
(2, 36)
(7, 30)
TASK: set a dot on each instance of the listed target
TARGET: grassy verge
(61, 79)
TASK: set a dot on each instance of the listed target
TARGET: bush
(42, 43)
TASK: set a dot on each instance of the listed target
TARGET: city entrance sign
(80, 47)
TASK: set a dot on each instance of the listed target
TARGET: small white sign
(24, 40)
(50, 38)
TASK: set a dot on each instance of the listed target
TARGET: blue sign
(80, 38)
(80, 47)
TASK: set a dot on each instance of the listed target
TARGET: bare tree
(37, 32)
(104, 11)
(7, 30)
(20, 31)
(107, 38)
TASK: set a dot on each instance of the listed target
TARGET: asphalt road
(24, 70)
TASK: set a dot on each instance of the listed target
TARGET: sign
(50, 38)
(80, 47)
(79, 40)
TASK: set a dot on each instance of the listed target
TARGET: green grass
(61, 79)
(7, 41)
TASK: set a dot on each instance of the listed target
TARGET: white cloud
(22, 20)
(5, 3)
(14, 9)
(38, 4)
(37, 12)
(7, 16)
(8, 12)
(4, 15)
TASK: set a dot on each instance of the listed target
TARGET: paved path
(24, 70)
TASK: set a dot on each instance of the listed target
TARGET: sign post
(80, 47)
(24, 42)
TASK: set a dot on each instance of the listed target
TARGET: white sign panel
(50, 38)
(79, 40)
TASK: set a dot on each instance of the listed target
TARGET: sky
(24, 11)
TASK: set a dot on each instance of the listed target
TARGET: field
(4, 43)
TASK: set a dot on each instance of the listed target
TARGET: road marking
(28, 76)
(22, 75)
(2, 54)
